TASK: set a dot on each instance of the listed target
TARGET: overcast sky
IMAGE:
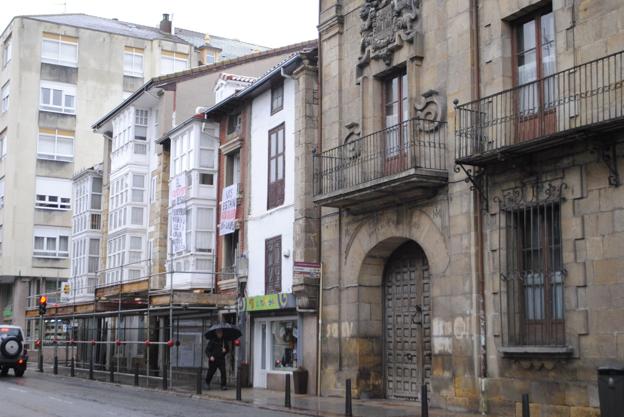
(264, 22)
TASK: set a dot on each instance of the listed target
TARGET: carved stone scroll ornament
(386, 24)
(432, 108)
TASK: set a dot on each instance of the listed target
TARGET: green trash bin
(611, 390)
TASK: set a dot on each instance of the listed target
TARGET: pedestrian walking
(216, 351)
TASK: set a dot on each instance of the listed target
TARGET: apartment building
(469, 172)
(59, 74)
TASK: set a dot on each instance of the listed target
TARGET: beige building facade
(468, 172)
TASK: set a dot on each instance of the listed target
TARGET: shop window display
(284, 344)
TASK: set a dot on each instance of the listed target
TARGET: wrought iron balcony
(400, 163)
(582, 101)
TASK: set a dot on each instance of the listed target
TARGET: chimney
(165, 23)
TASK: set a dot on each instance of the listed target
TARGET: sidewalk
(327, 406)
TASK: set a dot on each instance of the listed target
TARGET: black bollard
(424, 401)
(91, 366)
(238, 384)
(111, 371)
(348, 400)
(55, 368)
(72, 367)
(136, 375)
(525, 406)
(198, 382)
(164, 379)
(287, 391)
(40, 360)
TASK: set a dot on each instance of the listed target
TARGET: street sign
(307, 270)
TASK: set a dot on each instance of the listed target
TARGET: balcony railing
(383, 155)
(542, 112)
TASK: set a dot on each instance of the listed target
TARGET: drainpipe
(480, 345)
(319, 141)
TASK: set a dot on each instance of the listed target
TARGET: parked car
(13, 354)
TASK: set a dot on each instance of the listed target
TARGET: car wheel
(19, 372)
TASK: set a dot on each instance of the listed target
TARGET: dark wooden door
(536, 96)
(403, 336)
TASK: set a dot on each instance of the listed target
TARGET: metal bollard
(91, 366)
(55, 368)
(287, 392)
(111, 372)
(164, 379)
(198, 382)
(526, 412)
(136, 375)
(238, 385)
(424, 401)
(40, 359)
(348, 399)
(72, 367)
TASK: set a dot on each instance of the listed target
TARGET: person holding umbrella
(217, 348)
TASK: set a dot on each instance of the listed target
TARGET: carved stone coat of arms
(386, 24)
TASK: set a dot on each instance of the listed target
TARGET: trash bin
(611, 390)
(300, 380)
(244, 375)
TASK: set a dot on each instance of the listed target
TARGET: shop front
(276, 338)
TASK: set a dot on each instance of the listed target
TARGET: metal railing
(582, 96)
(415, 143)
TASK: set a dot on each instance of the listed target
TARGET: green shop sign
(269, 302)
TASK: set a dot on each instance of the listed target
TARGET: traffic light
(43, 304)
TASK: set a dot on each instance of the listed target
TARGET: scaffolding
(142, 327)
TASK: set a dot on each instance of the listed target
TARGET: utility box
(611, 390)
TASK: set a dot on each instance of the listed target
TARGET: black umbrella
(230, 332)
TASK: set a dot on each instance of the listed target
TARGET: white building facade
(86, 235)
(192, 204)
(270, 228)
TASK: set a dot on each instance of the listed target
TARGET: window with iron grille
(532, 278)
(273, 265)
(275, 192)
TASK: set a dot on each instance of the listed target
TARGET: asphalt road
(43, 395)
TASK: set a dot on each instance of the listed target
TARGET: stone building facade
(468, 174)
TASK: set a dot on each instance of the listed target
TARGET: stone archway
(366, 259)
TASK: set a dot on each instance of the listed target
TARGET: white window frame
(2, 192)
(209, 230)
(46, 97)
(50, 199)
(7, 51)
(51, 239)
(136, 66)
(60, 41)
(182, 153)
(206, 148)
(176, 59)
(57, 136)
(5, 92)
(3, 143)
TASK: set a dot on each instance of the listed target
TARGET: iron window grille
(532, 277)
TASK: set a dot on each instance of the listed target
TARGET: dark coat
(214, 349)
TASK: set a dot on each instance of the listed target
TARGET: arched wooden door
(405, 310)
